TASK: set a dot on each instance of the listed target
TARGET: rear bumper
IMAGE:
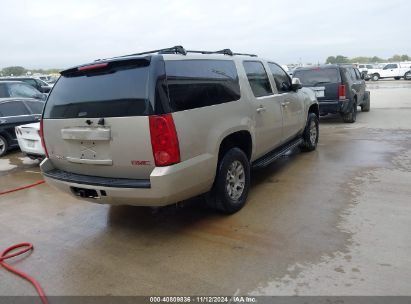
(167, 185)
(334, 106)
(30, 146)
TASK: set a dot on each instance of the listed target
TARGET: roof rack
(224, 52)
(178, 49)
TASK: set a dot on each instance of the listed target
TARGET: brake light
(17, 130)
(92, 67)
(341, 91)
(43, 143)
(164, 140)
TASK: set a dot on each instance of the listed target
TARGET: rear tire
(4, 146)
(375, 77)
(397, 78)
(365, 107)
(231, 184)
(351, 116)
(407, 76)
(311, 133)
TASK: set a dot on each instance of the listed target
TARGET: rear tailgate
(95, 121)
(29, 138)
(323, 81)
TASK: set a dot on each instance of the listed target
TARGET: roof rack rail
(243, 54)
(224, 52)
(178, 49)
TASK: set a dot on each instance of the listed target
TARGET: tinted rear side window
(13, 108)
(121, 90)
(258, 79)
(318, 76)
(200, 83)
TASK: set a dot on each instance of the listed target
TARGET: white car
(28, 137)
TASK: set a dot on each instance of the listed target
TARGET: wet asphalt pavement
(336, 221)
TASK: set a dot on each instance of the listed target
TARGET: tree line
(364, 59)
(19, 71)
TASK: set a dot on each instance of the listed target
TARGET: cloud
(47, 33)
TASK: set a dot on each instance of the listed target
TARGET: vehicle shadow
(191, 211)
(336, 118)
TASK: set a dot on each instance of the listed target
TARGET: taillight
(17, 130)
(164, 141)
(43, 143)
(341, 91)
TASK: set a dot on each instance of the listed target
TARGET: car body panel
(29, 140)
(8, 122)
(121, 146)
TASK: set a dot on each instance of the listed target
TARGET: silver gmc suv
(155, 128)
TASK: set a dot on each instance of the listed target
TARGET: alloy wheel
(235, 180)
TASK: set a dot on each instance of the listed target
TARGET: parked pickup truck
(391, 70)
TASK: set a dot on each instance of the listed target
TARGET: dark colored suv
(15, 112)
(339, 89)
(19, 89)
(36, 83)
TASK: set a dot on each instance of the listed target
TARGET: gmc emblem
(140, 162)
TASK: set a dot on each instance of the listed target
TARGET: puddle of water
(5, 165)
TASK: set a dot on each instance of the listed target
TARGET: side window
(357, 74)
(3, 91)
(22, 90)
(258, 78)
(352, 74)
(282, 81)
(390, 66)
(31, 82)
(201, 83)
(13, 108)
(36, 107)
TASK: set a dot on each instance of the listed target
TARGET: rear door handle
(260, 109)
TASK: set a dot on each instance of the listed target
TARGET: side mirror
(296, 84)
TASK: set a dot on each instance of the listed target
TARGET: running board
(276, 153)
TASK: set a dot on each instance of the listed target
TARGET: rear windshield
(317, 76)
(117, 91)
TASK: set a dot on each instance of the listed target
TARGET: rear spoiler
(98, 67)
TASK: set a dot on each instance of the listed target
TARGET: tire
(311, 133)
(222, 196)
(375, 77)
(397, 78)
(351, 116)
(365, 107)
(407, 76)
(4, 146)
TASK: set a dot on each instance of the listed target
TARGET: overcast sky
(47, 34)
